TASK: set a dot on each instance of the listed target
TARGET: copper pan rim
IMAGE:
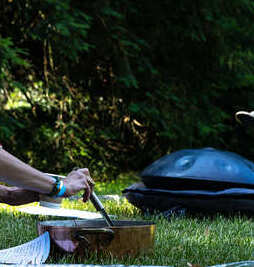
(97, 223)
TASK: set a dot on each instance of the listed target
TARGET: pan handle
(106, 235)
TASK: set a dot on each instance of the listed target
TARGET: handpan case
(196, 179)
(153, 200)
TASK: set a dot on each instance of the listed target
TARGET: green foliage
(10, 54)
(113, 85)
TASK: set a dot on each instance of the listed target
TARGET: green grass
(197, 240)
(116, 186)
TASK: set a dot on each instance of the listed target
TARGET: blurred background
(113, 85)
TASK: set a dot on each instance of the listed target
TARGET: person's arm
(14, 171)
(17, 196)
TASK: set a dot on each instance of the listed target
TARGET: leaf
(110, 12)
(134, 107)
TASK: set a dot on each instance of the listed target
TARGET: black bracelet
(56, 187)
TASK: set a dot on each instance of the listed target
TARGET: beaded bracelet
(58, 189)
(62, 190)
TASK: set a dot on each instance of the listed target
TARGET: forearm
(4, 194)
(17, 196)
(14, 171)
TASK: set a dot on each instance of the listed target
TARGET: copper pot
(85, 236)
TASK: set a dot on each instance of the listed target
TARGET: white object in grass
(70, 213)
(32, 252)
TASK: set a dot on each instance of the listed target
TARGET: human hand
(244, 117)
(17, 196)
(77, 180)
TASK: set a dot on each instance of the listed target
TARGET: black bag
(207, 180)
(228, 200)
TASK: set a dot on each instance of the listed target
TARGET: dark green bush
(113, 85)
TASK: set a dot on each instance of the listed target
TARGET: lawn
(197, 240)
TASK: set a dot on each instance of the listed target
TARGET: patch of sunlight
(11, 209)
(16, 100)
